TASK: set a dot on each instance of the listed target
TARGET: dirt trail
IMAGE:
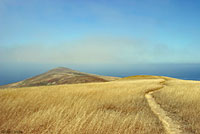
(170, 125)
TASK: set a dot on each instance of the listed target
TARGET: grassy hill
(59, 76)
(181, 99)
(139, 77)
(111, 107)
(102, 107)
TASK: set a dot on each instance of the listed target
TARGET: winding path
(170, 125)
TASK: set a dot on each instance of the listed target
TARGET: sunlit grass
(103, 108)
(181, 99)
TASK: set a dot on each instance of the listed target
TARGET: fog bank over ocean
(10, 73)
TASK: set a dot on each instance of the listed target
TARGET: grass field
(182, 100)
(117, 107)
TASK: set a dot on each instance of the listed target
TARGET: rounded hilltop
(137, 77)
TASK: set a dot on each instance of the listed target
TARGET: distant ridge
(60, 75)
(138, 77)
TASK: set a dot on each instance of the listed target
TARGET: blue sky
(99, 32)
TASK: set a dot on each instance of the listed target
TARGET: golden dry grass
(182, 100)
(143, 77)
(114, 107)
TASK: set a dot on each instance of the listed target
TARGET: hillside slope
(117, 107)
(139, 77)
(59, 76)
(181, 99)
(136, 106)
